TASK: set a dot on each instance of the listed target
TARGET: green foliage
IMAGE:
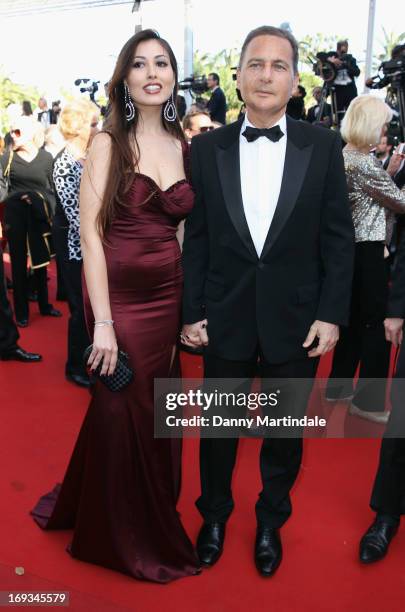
(221, 63)
(309, 46)
(12, 93)
(389, 41)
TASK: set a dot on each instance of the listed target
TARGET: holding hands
(195, 334)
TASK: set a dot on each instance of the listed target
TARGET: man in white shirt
(268, 260)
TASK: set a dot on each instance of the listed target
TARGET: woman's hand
(105, 349)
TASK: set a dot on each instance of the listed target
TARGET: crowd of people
(287, 254)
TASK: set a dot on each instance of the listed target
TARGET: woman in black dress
(27, 217)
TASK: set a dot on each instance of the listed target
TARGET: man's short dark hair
(342, 43)
(397, 51)
(214, 76)
(271, 31)
(188, 118)
(391, 140)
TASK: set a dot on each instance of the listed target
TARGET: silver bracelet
(103, 322)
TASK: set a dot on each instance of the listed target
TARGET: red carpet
(40, 416)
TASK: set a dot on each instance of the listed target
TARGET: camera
(324, 68)
(89, 86)
(394, 71)
(196, 84)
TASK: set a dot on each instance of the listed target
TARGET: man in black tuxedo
(268, 258)
(314, 113)
(388, 496)
(217, 103)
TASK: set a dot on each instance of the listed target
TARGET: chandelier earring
(170, 112)
(130, 110)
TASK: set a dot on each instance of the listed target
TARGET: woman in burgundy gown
(121, 488)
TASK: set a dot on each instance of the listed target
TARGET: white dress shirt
(261, 173)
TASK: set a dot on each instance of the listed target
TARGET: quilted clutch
(123, 373)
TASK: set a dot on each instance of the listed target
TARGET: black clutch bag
(123, 373)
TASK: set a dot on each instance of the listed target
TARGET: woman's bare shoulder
(101, 145)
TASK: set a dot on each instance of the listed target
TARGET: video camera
(394, 71)
(196, 84)
(91, 88)
(323, 67)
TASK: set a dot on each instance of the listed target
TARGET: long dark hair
(123, 132)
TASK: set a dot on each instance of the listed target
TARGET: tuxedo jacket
(305, 269)
(217, 106)
(327, 112)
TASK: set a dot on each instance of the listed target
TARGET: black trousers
(344, 95)
(388, 495)
(71, 273)
(363, 341)
(280, 458)
(8, 330)
(16, 221)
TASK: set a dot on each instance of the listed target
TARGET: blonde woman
(77, 124)
(374, 200)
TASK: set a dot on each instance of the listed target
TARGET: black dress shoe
(210, 543)
(51, 312)
(22, 322)
(268, 550)
(18, 354)
(79, 379)
(375, 542)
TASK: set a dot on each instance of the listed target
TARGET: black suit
(262, 307)
(217, 106)
(313, 116)
(388, 496)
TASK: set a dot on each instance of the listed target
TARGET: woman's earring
(129, 105)
(170, 112)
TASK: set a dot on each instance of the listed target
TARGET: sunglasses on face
(94, 124)
(206, 128)
(16, 133)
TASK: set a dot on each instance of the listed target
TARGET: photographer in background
(346, 71)
(378, 82)
(314, 113)
(217, 103)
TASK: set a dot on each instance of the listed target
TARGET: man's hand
(394, 330)
(195, 334)
(395, 162)
(335, 60)
(328, 335)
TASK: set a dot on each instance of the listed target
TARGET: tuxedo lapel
(228, 162)
(297, 158)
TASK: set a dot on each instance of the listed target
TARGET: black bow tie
(274, 134)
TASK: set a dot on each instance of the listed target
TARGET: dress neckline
(151, 181)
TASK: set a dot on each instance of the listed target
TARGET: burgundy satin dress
(120, 491)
